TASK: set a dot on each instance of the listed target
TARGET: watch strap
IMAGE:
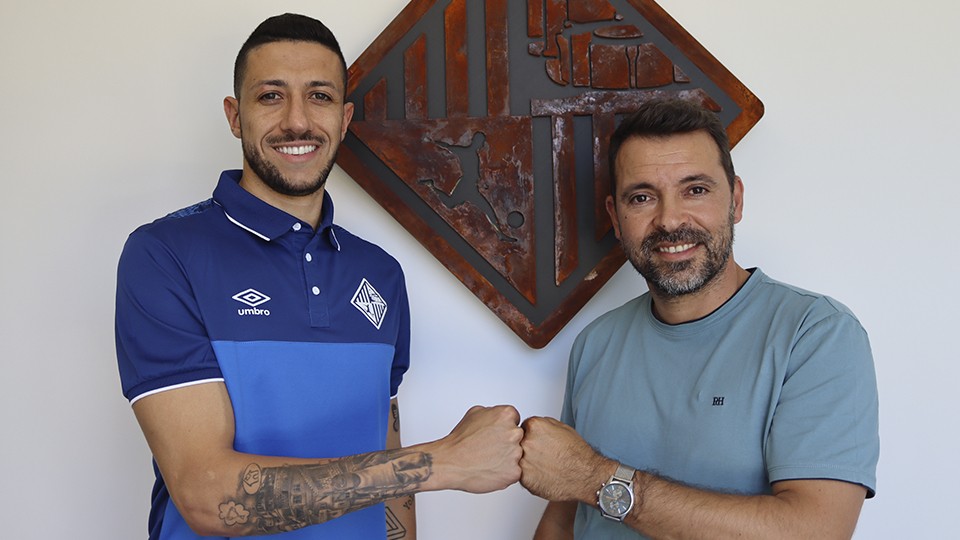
(624, 474)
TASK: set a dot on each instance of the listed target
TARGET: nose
(670, 214)
(295, 117)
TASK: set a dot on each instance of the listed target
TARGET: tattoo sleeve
(291, 497)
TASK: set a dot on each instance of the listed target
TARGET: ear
(737, 199)
(347, 117)
(612, 212)
(231, 108)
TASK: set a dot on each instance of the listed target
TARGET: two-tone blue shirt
(308, 329)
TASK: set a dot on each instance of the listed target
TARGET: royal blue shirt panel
(278, 415)
(309, 330)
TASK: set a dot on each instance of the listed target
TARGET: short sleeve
(401, 358)
(576, 352)
(825, 425)
(160, 338)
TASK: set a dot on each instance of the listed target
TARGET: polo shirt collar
(261, 219)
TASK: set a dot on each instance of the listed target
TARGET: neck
(306, 208)
(693, 306)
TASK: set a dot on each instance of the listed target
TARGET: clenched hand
(558, 465)
(482, 453)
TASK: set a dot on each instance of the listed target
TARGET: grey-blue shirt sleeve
(825, 425)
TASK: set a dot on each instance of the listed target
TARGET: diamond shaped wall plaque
(482, 127)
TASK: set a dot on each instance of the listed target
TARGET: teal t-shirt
(777, 384)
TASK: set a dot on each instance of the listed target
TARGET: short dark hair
(660, 118)
(286, 27)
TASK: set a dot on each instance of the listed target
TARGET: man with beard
(721, 403)
(261, 346)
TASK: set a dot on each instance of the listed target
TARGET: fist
(483, 450)
(557, 464)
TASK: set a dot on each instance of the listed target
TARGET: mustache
(683, 235)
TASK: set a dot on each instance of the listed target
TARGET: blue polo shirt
(308, 329)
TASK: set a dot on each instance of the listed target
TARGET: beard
(274, 179)
(673, 279)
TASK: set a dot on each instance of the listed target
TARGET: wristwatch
(615, 497)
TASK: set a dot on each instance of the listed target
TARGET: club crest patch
(370, 303)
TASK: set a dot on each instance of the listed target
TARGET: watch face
(615, 499)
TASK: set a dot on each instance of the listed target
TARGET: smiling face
(290, 117)
(674, 211)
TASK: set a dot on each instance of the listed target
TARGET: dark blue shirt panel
(178, 277)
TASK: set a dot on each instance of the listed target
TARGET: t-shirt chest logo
(252, 298)
(370, 303)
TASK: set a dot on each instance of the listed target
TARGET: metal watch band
(624, 473)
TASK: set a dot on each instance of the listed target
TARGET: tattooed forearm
(290, 497)
(396, 416)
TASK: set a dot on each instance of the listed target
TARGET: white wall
(110, 116)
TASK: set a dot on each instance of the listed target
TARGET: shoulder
(171, 238)
(364, 251)
(811, 306)
(615, 324)
(176, 224)
(813, 322)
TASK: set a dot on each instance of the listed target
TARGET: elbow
(205, 511)
(204, 519)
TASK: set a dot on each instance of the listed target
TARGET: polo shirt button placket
(319, 316)
(309, 258)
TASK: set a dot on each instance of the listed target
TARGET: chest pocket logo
(370, 303)
(252, 298)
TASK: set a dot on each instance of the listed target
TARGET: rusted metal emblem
(482, 127)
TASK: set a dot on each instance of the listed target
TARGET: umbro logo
(370, 303)
(252, 298)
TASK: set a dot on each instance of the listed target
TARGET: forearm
(265, 495)
(797, 509)
(557, 521)
(558, 465)
(664, 509)
(269, 495)
(221, 492)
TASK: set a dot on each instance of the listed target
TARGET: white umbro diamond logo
(251, 297)
(370, 303)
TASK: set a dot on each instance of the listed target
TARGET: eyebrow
(283, 84)
(691, 179)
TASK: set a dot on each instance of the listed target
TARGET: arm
(557, 521)
(796, 509)
(558, 465)
(402, 512)
(221, 492)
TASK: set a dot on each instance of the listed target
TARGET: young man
(720, 404)
(262, 346)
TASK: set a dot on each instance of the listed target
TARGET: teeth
(676, 249)
(296, 150)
